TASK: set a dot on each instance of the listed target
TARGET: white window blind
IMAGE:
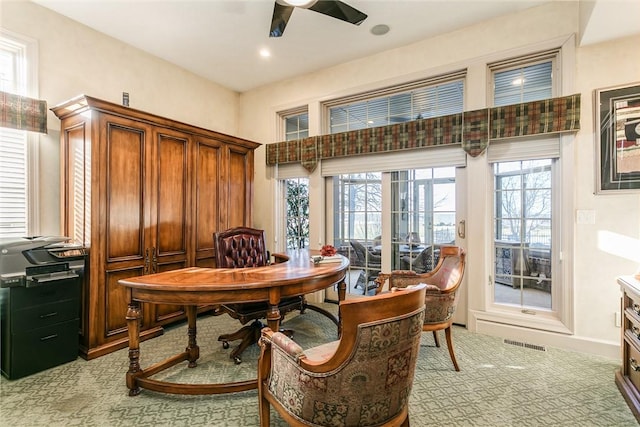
(521, 149)
(290, 170)
(431, 157)
(438, 96)
(13, 183)
(524, 79)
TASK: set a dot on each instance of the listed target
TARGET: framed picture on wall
(617, 121)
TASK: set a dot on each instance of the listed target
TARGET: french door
(386, 221)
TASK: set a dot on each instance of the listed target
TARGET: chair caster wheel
(225, 345)
(237, 360)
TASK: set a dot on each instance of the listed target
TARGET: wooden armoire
(144, 194)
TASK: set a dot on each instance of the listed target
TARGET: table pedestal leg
(192, 346)
(273, 317)
(134, 315)
(342, 294)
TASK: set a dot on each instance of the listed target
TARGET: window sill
(528, 321)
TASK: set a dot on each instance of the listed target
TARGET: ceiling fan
(334, 8)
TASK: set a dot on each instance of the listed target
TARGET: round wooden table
(295, 275)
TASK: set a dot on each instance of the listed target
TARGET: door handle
(462, 229)
(145, 270)
(154, 260)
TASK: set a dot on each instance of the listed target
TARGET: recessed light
(265, 53)
(380, 29)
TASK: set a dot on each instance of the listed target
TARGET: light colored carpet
(499, 385)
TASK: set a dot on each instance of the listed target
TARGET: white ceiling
(220, 39)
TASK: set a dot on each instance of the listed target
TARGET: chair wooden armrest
(290, 347)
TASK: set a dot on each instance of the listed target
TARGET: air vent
(525, 345)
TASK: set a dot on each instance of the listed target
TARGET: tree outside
(297, 216)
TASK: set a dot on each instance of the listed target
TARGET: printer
(35, 261)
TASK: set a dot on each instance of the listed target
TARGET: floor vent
(525, 345)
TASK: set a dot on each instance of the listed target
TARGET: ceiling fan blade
(281, 15)
(339, 10)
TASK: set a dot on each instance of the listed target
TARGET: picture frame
(617, 122)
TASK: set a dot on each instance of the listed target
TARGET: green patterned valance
(472, 129)
(537, 117)
(20, 112)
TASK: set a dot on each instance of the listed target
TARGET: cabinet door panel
(165, 313)
(240, 173)
(207, 197)
(171, 194)
(117, 299)
(125, 183)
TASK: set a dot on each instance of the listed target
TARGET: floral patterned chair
(441, 298)
(363, 379)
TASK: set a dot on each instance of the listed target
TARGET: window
(423, 216)
(357, 225)
(422, 209)
(294, 189)
(418, 201)
(296, 126)
(526, 189)
(425, 99)
(523, 229)
(523, 80)
(17, 180)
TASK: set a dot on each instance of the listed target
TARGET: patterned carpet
(500, 384)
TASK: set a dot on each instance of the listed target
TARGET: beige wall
(74, 59)
(594, 292)
(600, 66)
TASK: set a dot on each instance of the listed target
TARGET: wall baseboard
(547, 339)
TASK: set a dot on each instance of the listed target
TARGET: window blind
(13, 183)
(394, 161)
(524, 149)
(418, 100)
(291, 170)
(524, 79)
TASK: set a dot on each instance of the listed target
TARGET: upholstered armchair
(441, 299)
(370, 262)
(244, 247)
(364, 378)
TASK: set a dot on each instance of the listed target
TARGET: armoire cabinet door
(239, 195)
(127, 217)
(207, 192)
(170, 210)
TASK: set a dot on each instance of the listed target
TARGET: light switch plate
(585, 216)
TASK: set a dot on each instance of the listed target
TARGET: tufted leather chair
(364, 378)
(441, 300)
(241, 247)
(244, 247)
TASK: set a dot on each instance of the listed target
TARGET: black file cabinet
(39, 326)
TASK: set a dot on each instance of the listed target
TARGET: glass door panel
(423, 216)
